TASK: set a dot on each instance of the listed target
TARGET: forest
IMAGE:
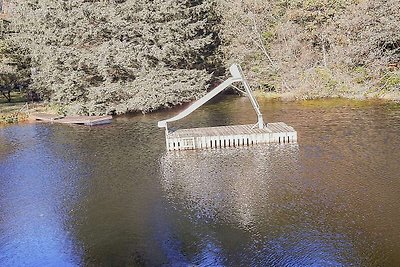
(118, 56)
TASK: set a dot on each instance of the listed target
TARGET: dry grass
(19, 112)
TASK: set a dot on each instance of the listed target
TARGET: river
(112, 196)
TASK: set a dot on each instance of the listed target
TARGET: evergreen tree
(110, 56)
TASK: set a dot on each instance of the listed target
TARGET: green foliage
(98, 57)
(16, 96)
(14, 69)
(329, 83)
(391, 81)
(268, 36)
(361, 75)
(394, 80)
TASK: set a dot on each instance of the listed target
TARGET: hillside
(316, 48)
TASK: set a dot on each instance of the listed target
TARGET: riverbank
(20, 112)
(292, 96)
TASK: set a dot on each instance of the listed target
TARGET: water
(111, 196)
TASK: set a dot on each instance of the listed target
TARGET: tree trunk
(7, 96)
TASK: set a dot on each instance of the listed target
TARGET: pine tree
(104, 56)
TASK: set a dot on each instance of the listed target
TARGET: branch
(258, 33)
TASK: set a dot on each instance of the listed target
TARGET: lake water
(112, 196)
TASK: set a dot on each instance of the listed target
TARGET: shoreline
(20, 112)
(290, 96)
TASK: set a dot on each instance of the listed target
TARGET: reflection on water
(234, 188)
(112, 196)
(35, 186)
(228, 185)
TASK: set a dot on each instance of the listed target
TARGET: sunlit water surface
(111, 195)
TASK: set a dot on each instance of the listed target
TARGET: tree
(14, 69)
(98, 57)
(316, 48)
